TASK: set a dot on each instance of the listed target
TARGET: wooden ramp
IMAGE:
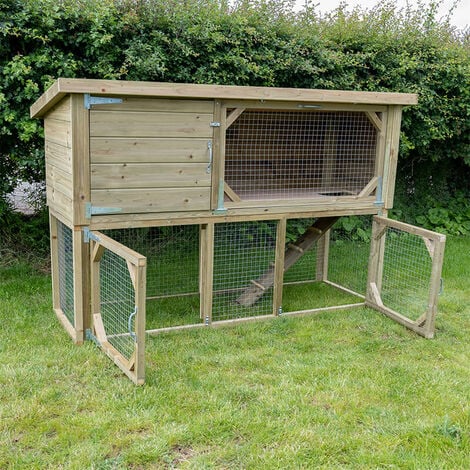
(293, 253)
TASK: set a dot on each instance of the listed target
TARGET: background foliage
(251, 43)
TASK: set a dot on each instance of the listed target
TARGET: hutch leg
(81, 284)
(54, 263)
(206, 271)
(279, 265)
(323, 252)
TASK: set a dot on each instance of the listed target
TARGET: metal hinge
(220, 199)
(91, 337)
(378, 193)
(96, 210)
(215, 124)
(91, 100)
(89, 235)
(129, 324)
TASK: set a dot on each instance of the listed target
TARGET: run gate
(118, 290)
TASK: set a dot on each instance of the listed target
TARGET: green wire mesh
(243, 251)
(65, 258)
(407, 268)
(117, 301)
(172, 257)
(349, 252)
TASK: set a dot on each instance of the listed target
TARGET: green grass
(347, 389)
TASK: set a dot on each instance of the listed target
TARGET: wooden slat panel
(130, 103)
(59, 156)
(59, 179)
(59, 203)
(152, 200)
(153, 175)
(59, 132)
(142, 124)
(148, 150)
(81, 159)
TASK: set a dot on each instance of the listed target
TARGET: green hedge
(253, 43)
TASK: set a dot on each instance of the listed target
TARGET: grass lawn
(347, 389)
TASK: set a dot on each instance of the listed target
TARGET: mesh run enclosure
(117, 302)
(65, 271)
(295, 154)
(243, 251)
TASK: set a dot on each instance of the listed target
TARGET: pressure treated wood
(145, 175)
(81, 159)
(116, 124)
(134, 201)
(148, 150)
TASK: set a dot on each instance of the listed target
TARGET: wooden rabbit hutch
(205, 181)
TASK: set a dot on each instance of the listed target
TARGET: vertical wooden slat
(435, 286)
(391, 154)
(279, 265)
(323, 252)
(96, 253)
(218, 148)
(206, 270)
(54, 261)
(202, 265)
(374, 268)
(380, 148)
(140, 301)
(80, 284)
(80, 159)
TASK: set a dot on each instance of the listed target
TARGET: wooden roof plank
(64, 86)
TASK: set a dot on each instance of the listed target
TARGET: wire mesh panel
(306, 282)
(349, 249)
(118, 303)
(65, 271)
(404, 273)
(305, 269)
(172, 257)
(243, 253)
(296, 154)
(172, 271)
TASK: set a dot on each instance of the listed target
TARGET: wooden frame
(133, 367)
(435, 243)
(76, 330)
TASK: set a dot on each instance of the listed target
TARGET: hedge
(250, 43)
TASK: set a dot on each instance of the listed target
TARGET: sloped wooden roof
(65, 86)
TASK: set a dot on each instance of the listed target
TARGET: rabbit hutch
(176, 206)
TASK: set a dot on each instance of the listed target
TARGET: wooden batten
(391, 154)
